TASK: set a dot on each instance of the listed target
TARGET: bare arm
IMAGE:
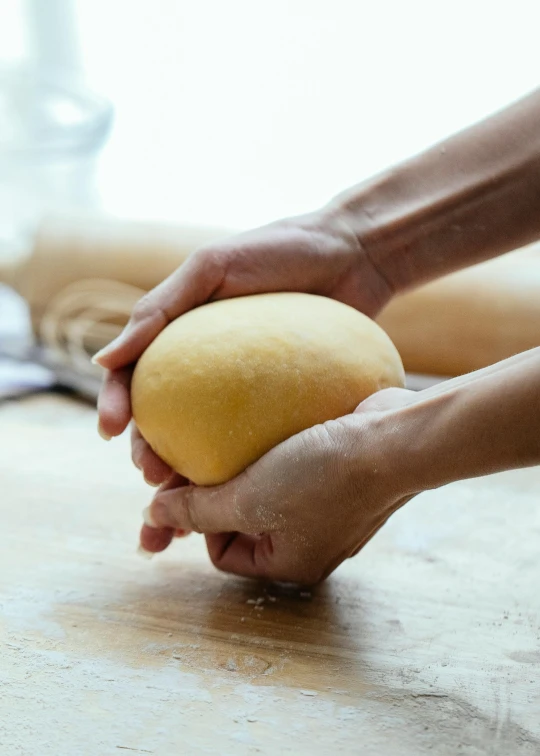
(472, 197)
(481, 423)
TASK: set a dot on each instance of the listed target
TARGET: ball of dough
(226, 382)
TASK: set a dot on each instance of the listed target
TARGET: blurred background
(231, 114)
(238, 112)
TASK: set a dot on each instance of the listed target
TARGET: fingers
(205, 510)
(155, 539)
(269, 556)
(245, 505)
(192, 284)
(173, 483)
(153, 468)
(240, 554)
(114, 403)
(230, 517)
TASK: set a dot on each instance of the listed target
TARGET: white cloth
(17, 376)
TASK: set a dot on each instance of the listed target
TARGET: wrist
(469, 198)
(404, 430)
(369, 288)
(478, 424)
(379, 212)
(379, 449)
(432, 438)
(421, 434)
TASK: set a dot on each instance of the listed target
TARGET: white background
(237, 111)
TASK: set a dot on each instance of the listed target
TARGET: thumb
(213, 509)
(193, 283)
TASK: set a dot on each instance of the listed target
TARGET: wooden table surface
(427, 642)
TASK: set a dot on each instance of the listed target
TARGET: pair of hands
(315, 499)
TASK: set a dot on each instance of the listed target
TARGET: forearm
(485, 422)
(472, 197)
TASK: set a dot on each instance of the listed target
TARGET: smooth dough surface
(226, 382)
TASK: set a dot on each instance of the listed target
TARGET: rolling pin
(71, 249)
(459, 323)
(469, 319)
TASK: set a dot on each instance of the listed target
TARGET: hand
(304, 507)
(315, 253)
(320, 496)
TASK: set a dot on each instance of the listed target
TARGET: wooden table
(428, 642)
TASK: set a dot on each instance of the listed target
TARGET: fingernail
(148, 519)
(151, 482)
(104, 436)
(105, 351)
(144, 553)
(98, 355)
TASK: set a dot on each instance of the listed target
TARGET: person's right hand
(306, 505)
(315, 253)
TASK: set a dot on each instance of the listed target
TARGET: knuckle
(211, 262)
(205, 258)
(143, 309)
(189, 501)
(218, 562)
(263, 557)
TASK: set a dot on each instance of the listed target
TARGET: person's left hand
(316, 253)
(304, 507)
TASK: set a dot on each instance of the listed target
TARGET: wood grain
(427, 642)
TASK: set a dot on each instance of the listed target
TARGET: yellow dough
(228, 381)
